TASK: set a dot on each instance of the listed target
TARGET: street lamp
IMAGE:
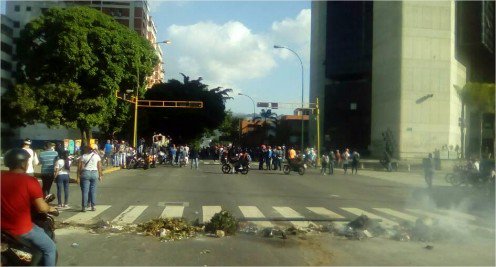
(252, 102)
(135, 130)
(302, 87)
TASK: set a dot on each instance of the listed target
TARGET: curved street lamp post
(252, 102)
(302, 87)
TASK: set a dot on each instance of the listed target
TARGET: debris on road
(429, 247)
(74, 245)
(268, 232)
(224, 221)
(169, 228)
(220, 233)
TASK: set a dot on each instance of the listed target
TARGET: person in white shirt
(62, 169)
(89, 169)
(33, 160)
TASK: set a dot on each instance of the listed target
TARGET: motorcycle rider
(20, 192)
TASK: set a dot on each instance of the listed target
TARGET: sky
(230, 44)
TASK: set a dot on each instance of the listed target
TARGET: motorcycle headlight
(305, 165)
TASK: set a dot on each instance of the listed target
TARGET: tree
(184, 125)
(480, 98)
(71, 63)
(230, 127)
(268, 119)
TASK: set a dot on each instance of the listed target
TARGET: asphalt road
(134, 196)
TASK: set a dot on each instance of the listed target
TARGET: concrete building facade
(396, 69)
(132, 14)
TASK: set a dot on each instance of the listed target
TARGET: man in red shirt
(20, 193)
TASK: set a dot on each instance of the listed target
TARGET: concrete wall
(317, 67)
(414, 70)
(386, 73)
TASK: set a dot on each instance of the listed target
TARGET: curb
(113, 169)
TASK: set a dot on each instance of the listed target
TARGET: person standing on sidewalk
(62, 170)
(193, 155)
(355, 160)
(89, 170)
(33, 160)
(428, 165)
(324, 161)
(47, 159)
(108, 152)
(346, 160)
(332, 160)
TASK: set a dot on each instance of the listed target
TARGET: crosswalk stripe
(254, 212)
(129, 215)
(359, 212)
(325, 212)
(398, 214)
(446, 219)
(459, 214)
(86, 217)
(172, 212)
(209, 211)
(288, 212)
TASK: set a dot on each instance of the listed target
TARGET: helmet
(27, 141)
(15, 157)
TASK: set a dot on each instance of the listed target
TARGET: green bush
(224, 221)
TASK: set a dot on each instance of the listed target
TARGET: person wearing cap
(33, 160)
(47, 160)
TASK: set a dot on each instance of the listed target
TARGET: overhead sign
(268, 105)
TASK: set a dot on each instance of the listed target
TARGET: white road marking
(209, 211)
(358, 212)
(288, 212)
(86, 217)
(459, 214)
(254, 212)
(398, 214)
(325, 212)
(449, 220)
(172, 212)
(129, 215)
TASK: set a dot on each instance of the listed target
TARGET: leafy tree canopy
(184, 125)
(71, 63)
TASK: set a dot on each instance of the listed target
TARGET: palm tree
(268, 120)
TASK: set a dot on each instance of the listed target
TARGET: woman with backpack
(62, 169)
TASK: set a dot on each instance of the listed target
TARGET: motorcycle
(137, 162)
(242, 167)
(299, 167)
(17, 252)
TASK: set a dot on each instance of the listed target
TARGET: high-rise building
(393, 65)
(132, 14)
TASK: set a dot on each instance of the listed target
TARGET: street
(275, 200)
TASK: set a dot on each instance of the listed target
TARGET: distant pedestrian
(89, 170)
(332, 161)
(193, 155)
(108, 152)
(324, 161)
(355, 160)
(346, 160)
(47, 159)
(62, 170)
(268, 158)
(338, 158)
(33, 160)
(428, 165)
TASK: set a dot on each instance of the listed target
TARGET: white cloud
(230, 53)
(223, 53)
(294, 33)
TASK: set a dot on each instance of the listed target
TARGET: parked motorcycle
(17, 252)
(299, 167)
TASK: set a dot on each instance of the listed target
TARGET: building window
(7, 30)
(7, 48)
(353, 106)
(28, 8)
(17, 8)
(44, 10)
(17, 24)
(6, 65)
